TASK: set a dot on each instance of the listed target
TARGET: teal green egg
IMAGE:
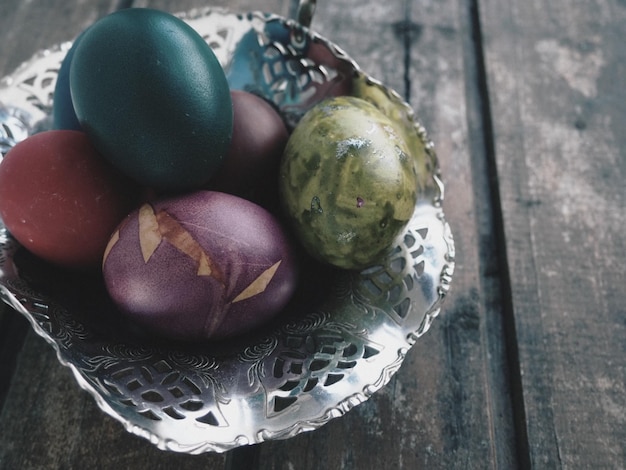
(63, 114)
(153, 98)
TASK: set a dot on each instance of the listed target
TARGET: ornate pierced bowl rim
(299, 374)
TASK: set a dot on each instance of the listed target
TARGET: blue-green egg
(153, 97)
(63, 114)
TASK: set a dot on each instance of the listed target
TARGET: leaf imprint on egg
(114, 239)
(153, 228)
(259, 285)
(149, 234)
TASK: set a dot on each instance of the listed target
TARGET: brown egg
(61, 200)
(259, 137)
(201, 265)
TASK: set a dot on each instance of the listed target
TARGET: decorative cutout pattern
(12, 129)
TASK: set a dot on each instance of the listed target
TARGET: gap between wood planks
(404, 30)
(497, 248)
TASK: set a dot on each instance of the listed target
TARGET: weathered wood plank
(477, 399)
(555, 75)
(448, 405)
(28, 27)
(281, 7)
(13, 329)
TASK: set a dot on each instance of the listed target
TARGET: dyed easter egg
(62, 200)
(153, 97)
(259, 137)
(63, 115)
(200, 265)
(348, 182)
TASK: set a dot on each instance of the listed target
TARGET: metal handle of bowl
(306, 9)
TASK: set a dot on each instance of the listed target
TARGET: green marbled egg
(347, 182)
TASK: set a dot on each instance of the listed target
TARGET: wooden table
(526, 365)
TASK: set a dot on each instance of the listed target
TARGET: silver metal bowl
(340, 341)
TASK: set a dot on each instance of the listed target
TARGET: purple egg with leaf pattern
(204, 265)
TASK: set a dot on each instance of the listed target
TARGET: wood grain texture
(445, 91)
(556, 74)
(448, 406)
(28, 27)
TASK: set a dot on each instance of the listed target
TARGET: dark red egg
(200, 265)
(259, 137)
(61, 200)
